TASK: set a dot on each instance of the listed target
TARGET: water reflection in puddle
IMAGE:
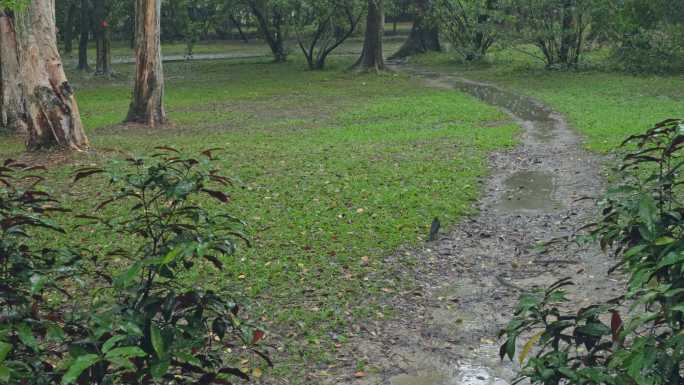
(528, 190)
(467, 375)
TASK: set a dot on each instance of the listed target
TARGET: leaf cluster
(153, 313)
(642, 225)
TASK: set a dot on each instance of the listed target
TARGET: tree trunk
(102, 38)
(567, 33)
(424, 36)
(147, 106)
(84, 31)
(272, 33)
(11, 105)
(69, 27)
(238, 25)
(372, 55)
(52, 117)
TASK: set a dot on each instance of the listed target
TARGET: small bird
(434, 230)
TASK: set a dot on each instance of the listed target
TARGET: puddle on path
(467, 376)
(528, 190)
(542, 119)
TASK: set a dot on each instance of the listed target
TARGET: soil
(469, 280)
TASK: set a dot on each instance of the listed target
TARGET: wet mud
(468, 281)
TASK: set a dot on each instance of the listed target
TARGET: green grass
(604, 105)
(333, 168)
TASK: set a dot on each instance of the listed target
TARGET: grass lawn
(605, 106)
(336, 170)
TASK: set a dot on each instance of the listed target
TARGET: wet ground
(468, 282)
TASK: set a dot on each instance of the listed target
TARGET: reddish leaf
(218, 195)
(86, 173)
(208, 152)
(167, 148)
(257, 336)
(616, 325)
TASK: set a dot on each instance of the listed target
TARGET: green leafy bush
(643, 225)
(151, 314)
(658, 50)
(31, 324)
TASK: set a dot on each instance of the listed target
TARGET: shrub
(643, 225)
(31, 326)
(137, 314)
(652, 51)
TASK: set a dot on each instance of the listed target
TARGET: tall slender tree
(424, 36)
(84, 32)
(147, 105)
(50, 112)
(103, 65)
(69, 26)
(372, 54)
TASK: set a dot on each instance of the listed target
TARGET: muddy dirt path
(470, 279)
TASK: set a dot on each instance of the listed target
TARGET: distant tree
(69, 26)
(147, 105)
(101, 24)
(48, 109)
(372, 54)
(331, 22)
(424, 36)
(648, 34)
(273, 18)
(84, 32)
(558, 28)
(469, 26)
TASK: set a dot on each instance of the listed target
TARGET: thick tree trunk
(69, 27)
(84, 31)
(11, 96)
(102, 39)
(372, 55)
(52, 117)
(147, 106)
(424, 36)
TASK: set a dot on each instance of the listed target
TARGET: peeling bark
(11, 106)
(147, 105)
(372, 55)
(52, 117)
